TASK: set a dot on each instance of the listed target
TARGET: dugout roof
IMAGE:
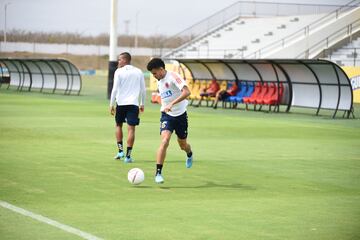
(45, 75)
(311, 83)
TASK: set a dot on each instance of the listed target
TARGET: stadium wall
(75, 49)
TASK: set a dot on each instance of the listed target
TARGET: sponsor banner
(354, 75)
(4, 70)
(90, 72)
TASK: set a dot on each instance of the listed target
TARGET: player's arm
(113, 93)
(185, 92)
(142, 93)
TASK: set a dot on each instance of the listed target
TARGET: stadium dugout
(307, 83)
(45, 75)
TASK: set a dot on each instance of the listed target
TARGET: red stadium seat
(254, 94)
(155, 97)
(262, 94)
(268, 95)
(276, 97)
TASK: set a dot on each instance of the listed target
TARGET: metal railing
(208, 53)
(246, 9)
(304, 32)
(332, 39)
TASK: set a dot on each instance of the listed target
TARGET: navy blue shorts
(128, 114)
(223, 95)
(179, 124)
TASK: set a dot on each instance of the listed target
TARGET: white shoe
(119, 155)
(159, 178)
(189, 161)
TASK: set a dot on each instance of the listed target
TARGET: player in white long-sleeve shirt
(127, 95)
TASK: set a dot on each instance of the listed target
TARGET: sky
(92, 17)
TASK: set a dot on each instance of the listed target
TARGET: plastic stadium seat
(203, 85)
(276, 97)
(264, 90)
(238, 98)
(222, 85)
(195, 95)
(195, 91)
(190, 84)
(229, 87)
(268, 95)
(213, 98)
(254, 95)
(155, 97)
(250, 90)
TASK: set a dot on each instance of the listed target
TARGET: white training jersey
(170, 88)
(128, 87)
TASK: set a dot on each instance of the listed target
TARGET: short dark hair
(155, 63)
(127, 56)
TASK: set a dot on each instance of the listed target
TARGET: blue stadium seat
(240, 94)
(248, 90)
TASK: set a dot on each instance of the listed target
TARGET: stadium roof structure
(309, 83)
(45, 75)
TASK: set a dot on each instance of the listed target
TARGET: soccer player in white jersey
(128, 93)
(173, 92)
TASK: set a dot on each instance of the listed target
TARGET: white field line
(48, 221)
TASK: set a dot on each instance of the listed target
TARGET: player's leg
(165, 140)
(119, 136)
(119, 141)
(132, 118)
(185, 146)
(130, 143)
(202, 95)
(119, 119)
(161, 154)
(131, 136)
(166, 129)
(181, 130)
(218, 96)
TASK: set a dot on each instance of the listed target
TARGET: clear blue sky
(92, 17)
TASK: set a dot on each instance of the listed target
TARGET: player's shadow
(206, 185)
(214, 185)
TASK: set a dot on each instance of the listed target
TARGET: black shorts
(127, 113)
(224, 95)
(207, 94)
(179, 124)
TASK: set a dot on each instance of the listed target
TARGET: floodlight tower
(113, 45)
(6, 4)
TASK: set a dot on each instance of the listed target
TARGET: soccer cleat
(119, 155)
(189, 161)
(128, 160)
(159, 178)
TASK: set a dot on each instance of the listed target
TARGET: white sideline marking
(49, 221)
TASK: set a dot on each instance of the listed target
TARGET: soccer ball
(136, 176)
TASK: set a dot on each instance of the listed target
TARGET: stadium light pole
(6, 4)
(127, 23)
(113, 45)
(136, 29)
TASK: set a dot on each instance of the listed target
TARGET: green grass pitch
(256, 175)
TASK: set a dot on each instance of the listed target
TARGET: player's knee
(165, 143)
(183, 146)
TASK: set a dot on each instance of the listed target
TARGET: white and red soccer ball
(136, 176)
